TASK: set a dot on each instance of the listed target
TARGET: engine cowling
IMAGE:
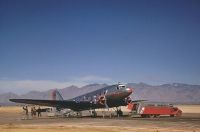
(128, 100)
(102, 100)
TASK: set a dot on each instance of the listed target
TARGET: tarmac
(189, 122)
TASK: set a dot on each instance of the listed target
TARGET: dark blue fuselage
(114, 95)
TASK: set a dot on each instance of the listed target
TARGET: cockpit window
(121, 87)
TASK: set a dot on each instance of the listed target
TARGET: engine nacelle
(128, 100)
(102, 100)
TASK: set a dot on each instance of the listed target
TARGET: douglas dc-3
(107, 97)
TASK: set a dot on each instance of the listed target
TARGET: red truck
(154, 110)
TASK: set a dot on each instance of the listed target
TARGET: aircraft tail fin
(56, 95)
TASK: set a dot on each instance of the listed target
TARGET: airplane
(107, 97)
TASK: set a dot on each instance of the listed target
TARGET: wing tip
(12, 100)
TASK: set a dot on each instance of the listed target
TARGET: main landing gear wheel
(94, 114)
(119, 112)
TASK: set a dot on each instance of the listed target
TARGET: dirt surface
(11, 120)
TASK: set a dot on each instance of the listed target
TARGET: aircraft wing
(76, 106)
(136, 101)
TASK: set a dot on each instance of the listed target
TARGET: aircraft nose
(129, 90)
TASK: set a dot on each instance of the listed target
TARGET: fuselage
(114, 95)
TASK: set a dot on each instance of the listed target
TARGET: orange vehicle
(155, 110)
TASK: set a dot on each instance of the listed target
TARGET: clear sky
(56, 43)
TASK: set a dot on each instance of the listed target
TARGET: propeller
(103, 100)
(106, 105)
(128, 100)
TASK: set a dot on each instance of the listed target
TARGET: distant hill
(173, 93)
(67, 93)
(4, 98)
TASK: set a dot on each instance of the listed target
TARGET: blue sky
(55, 43)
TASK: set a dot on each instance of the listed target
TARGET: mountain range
(170, 93)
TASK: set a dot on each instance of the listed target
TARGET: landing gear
(119, 112)
(105, 112)
(79, 114)
(93, 113)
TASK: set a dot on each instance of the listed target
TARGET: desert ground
(11, 120)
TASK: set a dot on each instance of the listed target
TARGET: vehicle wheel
(155, 116)
(151, 116)
(158, 116)
(178, 114)
(94, 114)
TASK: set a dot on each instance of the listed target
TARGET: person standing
(25, 108)
(39, 112)
(34, 111)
